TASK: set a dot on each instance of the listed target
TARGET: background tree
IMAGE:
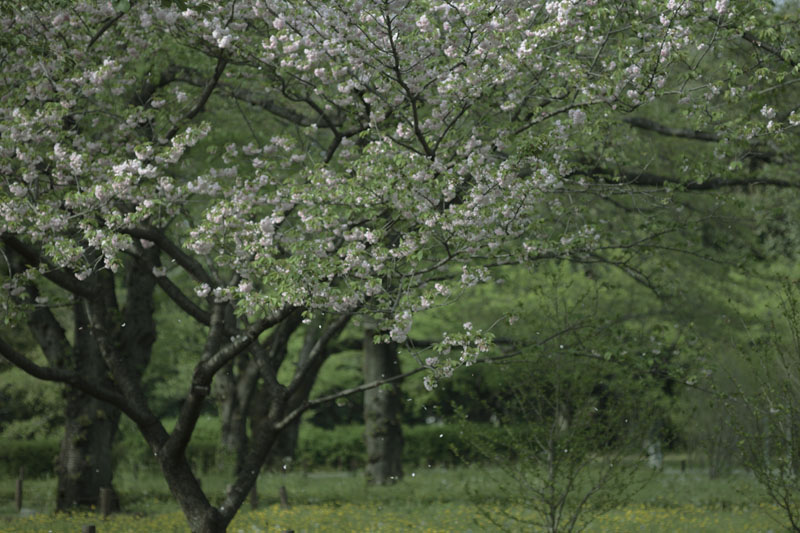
(382, 409)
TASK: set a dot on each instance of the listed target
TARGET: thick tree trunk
(382, 432)
(84, 461)
(201, 515)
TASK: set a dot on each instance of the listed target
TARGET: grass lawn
(432, 500)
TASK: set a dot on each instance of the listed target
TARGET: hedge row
(339, 448)
(38, 457)
(343, 446)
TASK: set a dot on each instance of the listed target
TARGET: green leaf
(121, 6)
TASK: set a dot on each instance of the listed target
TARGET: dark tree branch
(355, 345)
(148, 89)
(193, 77)
(661, 129)
(205, 369)
(60, 277)
(648, 179)
(305, 406)
(204, 96)
(651, 125)
(194, 268)
(184, 302)
(200, 388)
(73, 379)
(106, 26)
(318, 351)
(276, 345)
(755, 41)
(124, 376)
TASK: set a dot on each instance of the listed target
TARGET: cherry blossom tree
(300, 160)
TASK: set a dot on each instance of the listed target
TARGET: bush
(38, 457)
(343, 446)
(339, 448)
(567, 446)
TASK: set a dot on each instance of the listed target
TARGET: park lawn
(436, 517)
(435, 499)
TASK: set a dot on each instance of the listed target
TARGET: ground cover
(433, 500)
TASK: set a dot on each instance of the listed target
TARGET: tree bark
(286, 444)
(84, 460)
(84, 464)
(234, 390)
(382, 431)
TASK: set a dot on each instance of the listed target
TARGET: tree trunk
(84, 461)
(230, 409)
(652, 446)
(382, 432)
(286, 444)
(234, 393)
(201, 515)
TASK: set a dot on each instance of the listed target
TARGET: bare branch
(651, 125)
(204, 96)
(194, 268)
(758, 43)
(181, 300)
(205, 369)
(286, 420)
(106, 26)
(60, 277)
(318, 351)
(649, 179)
(73, 379)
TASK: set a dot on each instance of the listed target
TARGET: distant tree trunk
(652, 445)
(235, 390)
(382, 432)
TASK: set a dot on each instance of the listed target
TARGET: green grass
(433, 499)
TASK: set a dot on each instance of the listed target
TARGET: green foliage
(29, 408)
(340, 448)
(769, 430)
(37, 457)
(570, 441)
(132, 453)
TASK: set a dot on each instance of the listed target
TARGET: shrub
(340, 447)
(38, 457)
(343, 446)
